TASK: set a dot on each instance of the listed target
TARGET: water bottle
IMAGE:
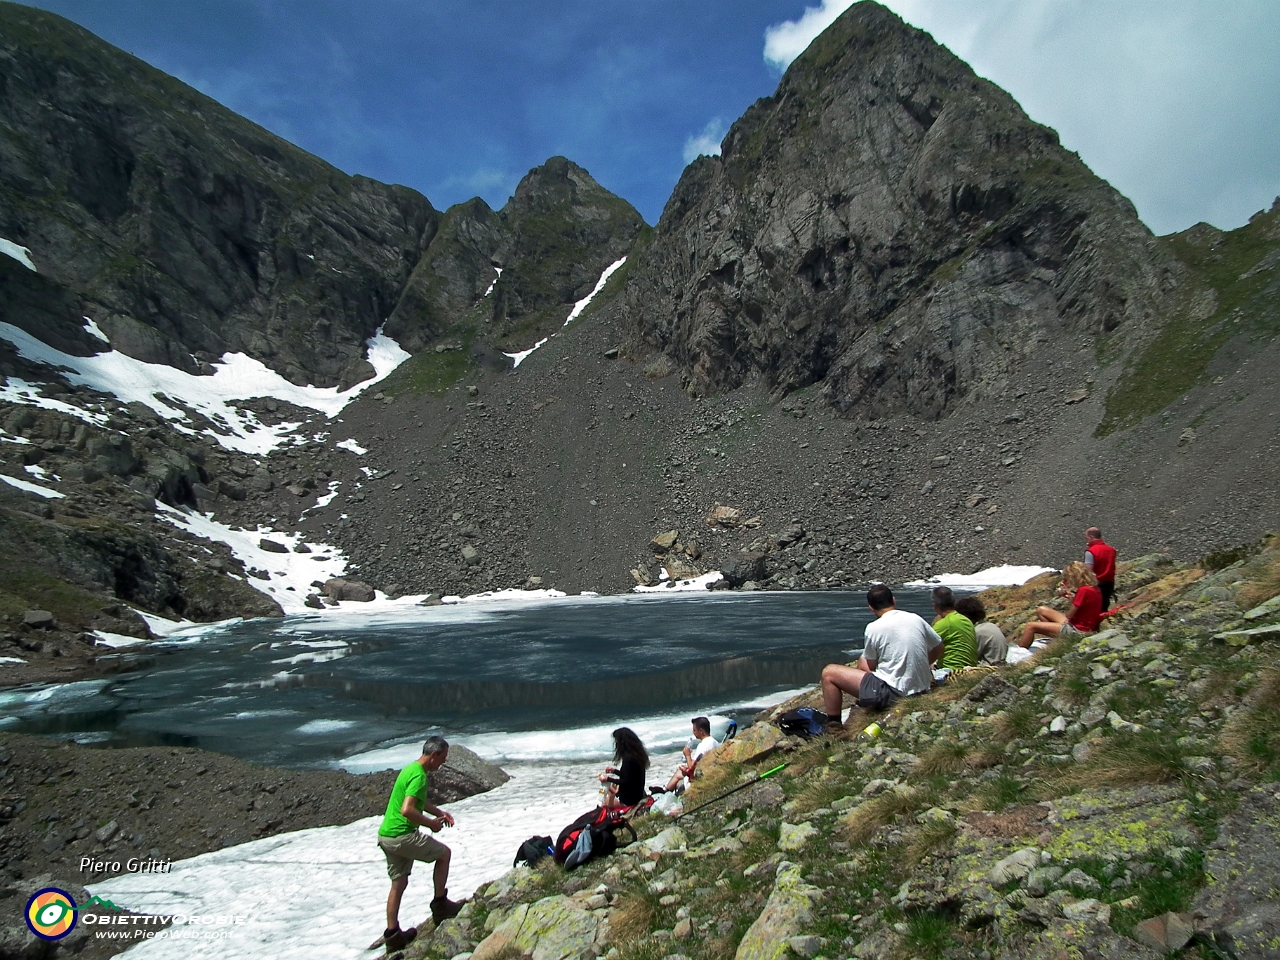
(870, 732)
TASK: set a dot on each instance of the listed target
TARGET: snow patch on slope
(19, 253)
(1002, 576)
(289, 575)
(578, 307)
(32, 488)
(171, 393)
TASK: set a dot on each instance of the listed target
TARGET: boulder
(38, 619)
(553, 928)
(724, 517)
(340, 588)
(668, 841)
(793, 837)
(1015, 866)
(271, 546)
(754, 743)
(1168, 931)
(664, 541)
(452, 937)
(787, 913)
(679, 568)
(1242, 638)
(747, 565)
(791, 533)
(470, 556)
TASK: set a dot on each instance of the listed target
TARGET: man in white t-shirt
(897, 660)
(698, 747)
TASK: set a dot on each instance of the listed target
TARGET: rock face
(186, 231)
(891, 226)
(183, 228)
(516, 269)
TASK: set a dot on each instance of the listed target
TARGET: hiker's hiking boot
(442, 909)
(399, 939)
(835, 728)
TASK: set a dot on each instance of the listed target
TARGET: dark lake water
(310, 691)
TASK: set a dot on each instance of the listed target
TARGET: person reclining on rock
(1083, 617)
(896, 660)
(960, 643)
(993, 648)
(699, 745)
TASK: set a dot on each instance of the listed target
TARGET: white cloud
(706, 143)
(785, 41)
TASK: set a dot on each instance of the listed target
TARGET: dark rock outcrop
(181, 227)
(551, 242)
(889, 225)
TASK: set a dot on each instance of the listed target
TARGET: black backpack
(803, 722)
(533, 851)
(594, 834)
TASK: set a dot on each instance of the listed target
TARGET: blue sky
(1176, 102)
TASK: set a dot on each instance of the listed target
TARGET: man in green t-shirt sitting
(959, 640)
(402, 843)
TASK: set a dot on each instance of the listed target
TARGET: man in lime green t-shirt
(402, 843)
(959, 639)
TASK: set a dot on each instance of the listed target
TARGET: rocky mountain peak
(890, 226)
(557, 183)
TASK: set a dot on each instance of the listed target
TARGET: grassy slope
(1233, 290)
(970, 780)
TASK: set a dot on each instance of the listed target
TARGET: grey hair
(434, 745)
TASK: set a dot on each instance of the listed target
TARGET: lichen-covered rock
(1015, 866)
(668, 841)
(451, 938)
(1083, 939)
(1120, 824)
(756, 742)
(1239, 904)
(793, 837)
(553, 928)
(787, 913)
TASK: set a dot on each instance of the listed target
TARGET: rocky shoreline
(125, 810)
(1114, 796)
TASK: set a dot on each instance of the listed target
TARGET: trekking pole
(741, 786)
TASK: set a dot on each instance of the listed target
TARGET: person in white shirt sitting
(698, 747)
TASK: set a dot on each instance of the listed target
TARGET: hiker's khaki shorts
(401, 851)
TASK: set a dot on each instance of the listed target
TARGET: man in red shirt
(1100, 557)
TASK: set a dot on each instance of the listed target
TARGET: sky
(1176, 102)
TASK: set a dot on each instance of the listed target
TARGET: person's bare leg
(398, 887)
(1050, 615)
(441, 875)
(837, 680)
(1043, 628)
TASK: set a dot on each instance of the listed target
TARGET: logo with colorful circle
(51, 913)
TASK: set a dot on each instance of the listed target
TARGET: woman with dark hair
(625, 783)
